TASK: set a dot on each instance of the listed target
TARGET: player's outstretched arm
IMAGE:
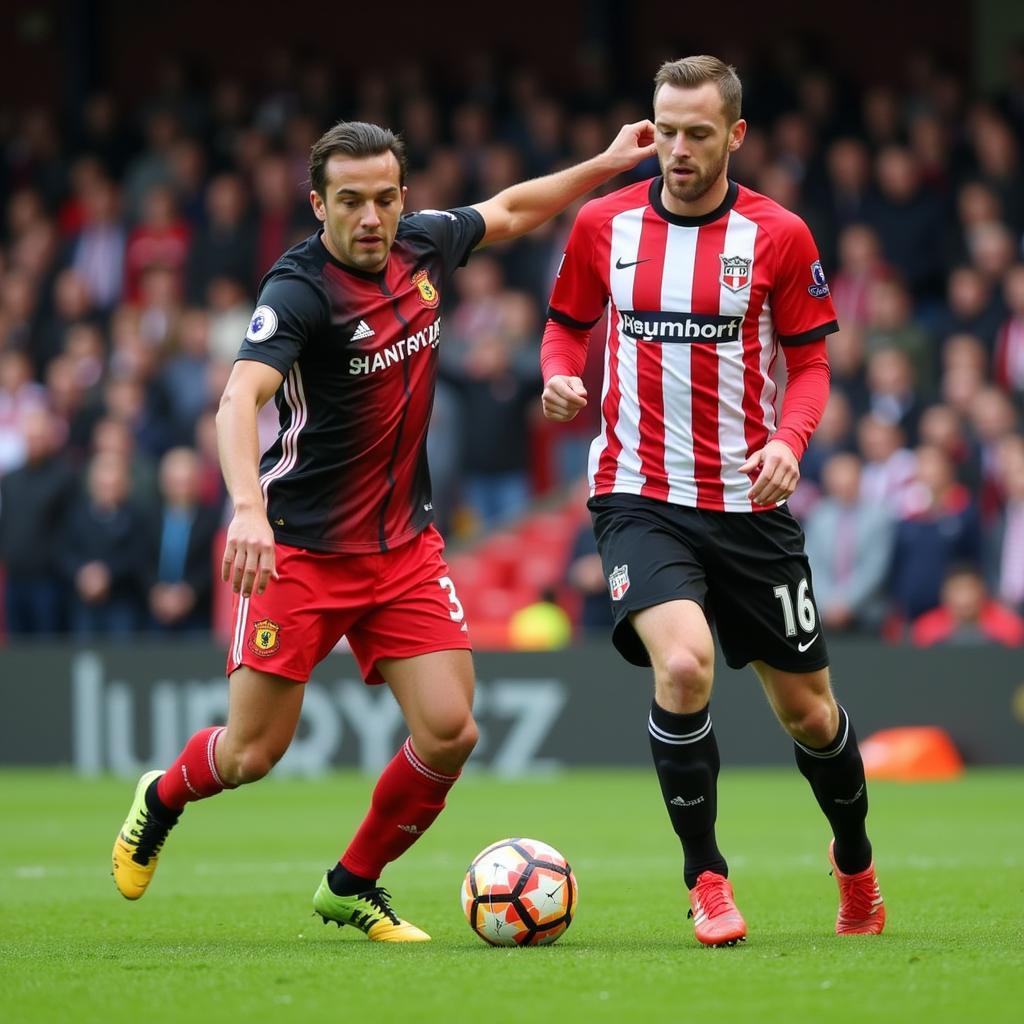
(523, 207)
(249, 552)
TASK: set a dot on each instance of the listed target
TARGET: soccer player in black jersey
(332, 531)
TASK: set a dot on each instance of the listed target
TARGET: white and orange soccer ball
(519, 892)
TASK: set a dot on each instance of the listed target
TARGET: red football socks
(408, 796)
(194, 775)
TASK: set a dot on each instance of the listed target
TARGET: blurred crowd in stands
(135, 232)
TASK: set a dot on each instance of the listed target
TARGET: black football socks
(836, 775)
(686, 759)
(342, 882)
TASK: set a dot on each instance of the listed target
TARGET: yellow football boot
(368, 911)
(138, 843)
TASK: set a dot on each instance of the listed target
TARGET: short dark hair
(353, 138)
(691, 72)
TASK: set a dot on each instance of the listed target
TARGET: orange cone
(911, 754)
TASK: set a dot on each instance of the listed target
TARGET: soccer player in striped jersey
(332, 531)
(703, 281)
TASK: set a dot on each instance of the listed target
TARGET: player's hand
(563, 398)
(778, 473)
(635, 142)
(249, 553)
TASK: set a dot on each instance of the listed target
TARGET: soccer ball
(519, 892)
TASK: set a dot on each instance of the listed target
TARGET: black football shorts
(747, 570)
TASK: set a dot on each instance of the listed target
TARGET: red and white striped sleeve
(801, 304)
(578, 301)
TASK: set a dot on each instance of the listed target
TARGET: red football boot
(861, 907)
(716, 920)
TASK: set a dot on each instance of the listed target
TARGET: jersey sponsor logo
(439, 213)
(735, 271)
(363, 330)
(265, 638)
(422, 341)
(819, 289)
(618, 582)
(619, 265)
(429, 295)
(262, 325)
(658, 325)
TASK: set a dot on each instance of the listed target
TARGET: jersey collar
(654, 197)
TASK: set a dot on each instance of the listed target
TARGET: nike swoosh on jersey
(803, 647)
(619, 265)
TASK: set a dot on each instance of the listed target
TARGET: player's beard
(702, 180)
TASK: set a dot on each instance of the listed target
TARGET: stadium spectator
(968, 615)
(151, 168)
(586, 580)
(497, 383)
(943, 427)
(848, 183)
(893, 394)
(280, 219)
(102, 554)
(997, 152)
(909, 219)
(112, 436)
(19, 395)
(182, 379)
(973, 306)
(225, 246)
(976, 204)
(159, 240)
(1009, 354)
(180, 553)
(939, 529)
(889, 469)
(860, 266)
(964, 371)
(34, 502)
(833, 436)
(993, 418)
(97, 250)
(69, 398)
(891, 325)
(849, 546)
(1006, 539)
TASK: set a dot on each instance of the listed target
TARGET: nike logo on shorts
(803, 647)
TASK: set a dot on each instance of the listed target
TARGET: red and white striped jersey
(697, 308)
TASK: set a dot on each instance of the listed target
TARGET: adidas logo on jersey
(364, 330)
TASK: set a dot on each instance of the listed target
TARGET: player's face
(694, 141)
(360, 209)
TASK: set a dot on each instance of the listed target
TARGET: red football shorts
(392, 604)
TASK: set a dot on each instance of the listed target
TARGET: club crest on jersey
(265, 638)
(262, 325)
(819, 289)
(618, 582)
(428, 293)
(735, 271)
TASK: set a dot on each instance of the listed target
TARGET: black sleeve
(288, 313)
(455, 233)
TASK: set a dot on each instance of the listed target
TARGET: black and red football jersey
(358, 351)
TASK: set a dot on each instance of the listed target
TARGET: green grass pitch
(226, 934)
